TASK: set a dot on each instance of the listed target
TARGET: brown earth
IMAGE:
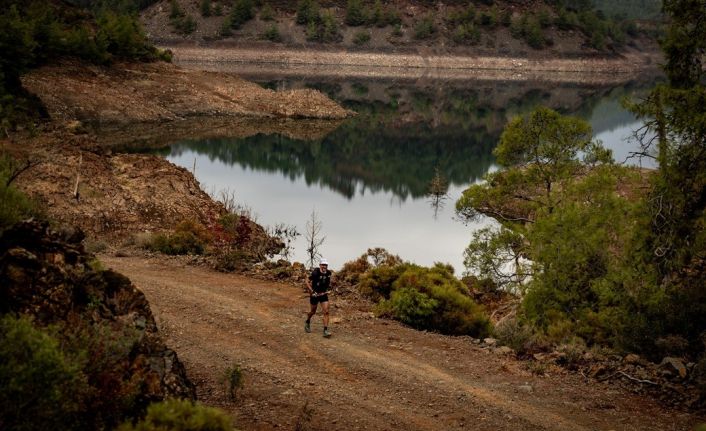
(372, 374)
(155, 92)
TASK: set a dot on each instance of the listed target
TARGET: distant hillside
(536, 28)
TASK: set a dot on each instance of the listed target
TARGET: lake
(368, 181)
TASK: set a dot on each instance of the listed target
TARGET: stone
(597, 371)
(490, 341)
(632, 359)
(673, 366)
(525, 388)
(504, 350)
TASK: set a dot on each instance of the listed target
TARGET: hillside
(506, 28)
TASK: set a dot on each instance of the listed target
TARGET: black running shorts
(313, 300)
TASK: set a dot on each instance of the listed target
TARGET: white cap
(323, 262)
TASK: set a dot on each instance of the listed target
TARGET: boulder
(632, 359)
(490, 342)
(673, 367)
(503, 350)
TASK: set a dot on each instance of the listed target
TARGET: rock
(503, 350)
(490, 341)
(525, 388)
(476, 341)
(674, 367)
(597, 371)
(632, 359)
(541, 357)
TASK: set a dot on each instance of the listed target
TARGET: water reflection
(383, 178)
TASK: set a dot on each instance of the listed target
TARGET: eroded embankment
(299, 62)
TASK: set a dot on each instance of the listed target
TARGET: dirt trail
(372, 374)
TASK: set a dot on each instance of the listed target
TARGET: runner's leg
(324, 307)
(311, 312)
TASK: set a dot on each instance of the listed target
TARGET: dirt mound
(118, 194)
(146, 92)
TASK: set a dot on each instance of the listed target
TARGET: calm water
(368, 180)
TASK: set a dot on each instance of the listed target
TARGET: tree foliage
(606, 264)
(674, 244)
(181, 415)
(35, 32)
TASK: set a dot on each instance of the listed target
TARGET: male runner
(318, 285)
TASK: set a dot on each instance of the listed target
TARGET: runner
(318, 285)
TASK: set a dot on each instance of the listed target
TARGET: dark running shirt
(320, 282)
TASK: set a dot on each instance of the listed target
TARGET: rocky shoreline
(302, 62)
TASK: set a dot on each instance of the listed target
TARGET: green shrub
(566, 20)
(175, 10)
(355, 13)
(514, 334)
(181, 415)
(377, 283)
(14, 205)
(409, 306)
(397, 30)
(122, 36)
(352, 271)
(234, 380)
(188, 238)
(464, 16)
(218, 9)
(234, 261)
(361, 37)
(206, 8)
(488, 18)
(272, 34)
(425, 298)
(325, 29)
(241, 13)
(102, 353)
(267, 13)
(456, 313)
(383, 16)
(425, 28)
(184, 25)
(466, 34)
(39, 387)
(226, 28)
(533, 34)
(307, 12)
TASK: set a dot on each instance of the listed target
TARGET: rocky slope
(495, 35)
(47, 275)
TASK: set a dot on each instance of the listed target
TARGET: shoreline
(294, 62)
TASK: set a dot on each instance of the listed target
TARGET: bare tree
(314, 238)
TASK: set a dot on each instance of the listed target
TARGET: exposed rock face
(49, 276)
